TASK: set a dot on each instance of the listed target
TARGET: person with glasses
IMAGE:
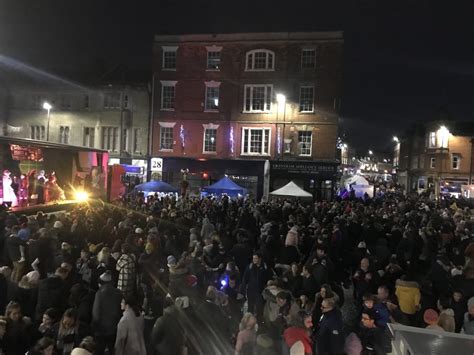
(374, 339)
(330, 337)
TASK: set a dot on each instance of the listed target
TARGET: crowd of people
(222, 276)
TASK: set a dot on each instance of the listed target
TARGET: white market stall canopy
(291, 190)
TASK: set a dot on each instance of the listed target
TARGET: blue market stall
(225, 186)
(156, 186)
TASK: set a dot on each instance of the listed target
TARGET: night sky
(405, 61)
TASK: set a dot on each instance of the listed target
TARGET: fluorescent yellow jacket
(408, 293)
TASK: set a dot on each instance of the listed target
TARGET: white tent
(291, 190)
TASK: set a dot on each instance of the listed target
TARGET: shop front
(318, 178)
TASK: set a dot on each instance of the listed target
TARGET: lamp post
(281, 99)
(47, 106)
(442, 136)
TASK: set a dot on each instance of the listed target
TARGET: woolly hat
(57, 225)
(24, 233)
(430, 316)
(171, 260)
(191, 280)
(470, 303)
(297, 348)
(106, 277)
(138, 231)
(80, 351)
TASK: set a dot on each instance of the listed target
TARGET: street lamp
(47, 106)
(281, 99)
(371, 152)
(443, 141)
(395, 139)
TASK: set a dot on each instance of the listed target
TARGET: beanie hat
(138, 231)
(430, 316)
(297, 348)
(80, 351)
(470, 303)
(65, 246)
(24, 234)
(171, 260)
(362, 245)
(57, 225)
(106, 277)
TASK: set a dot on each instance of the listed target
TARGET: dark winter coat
(331, 334)
(167, 336)
(51, 293)
(106, 311)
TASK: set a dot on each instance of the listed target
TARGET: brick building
(436, 156)
(226, 103)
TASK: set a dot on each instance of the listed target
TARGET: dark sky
(405, 61)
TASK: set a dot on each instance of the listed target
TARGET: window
(136, 140)
(64, 134)
(110, 137)
(86, 102)
(308, 58)
(256, 141)
(89, 137)
(260, 60)
(213, 60)
(305, 143)
(126, 103)
(125, 138)
(414, 162)
(65, 102)
(112, 100)
(212, 96)
(210, 140)
(455, 161)
(37, 132)
(432, 140)
(169, 58)
(257, 98)
(167, 95)
(166, 138)
(306, 99)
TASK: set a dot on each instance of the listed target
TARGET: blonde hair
(104, 255)
(245, 320)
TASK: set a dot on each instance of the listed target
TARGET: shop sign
(156, 164)
(303, 167)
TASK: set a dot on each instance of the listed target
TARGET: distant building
(436, 156)
(110, 117)
(226, 103)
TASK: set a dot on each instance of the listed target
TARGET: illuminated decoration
(22, 153)
(279, 140)
(181, 136)
(339, 143)
(231, 139)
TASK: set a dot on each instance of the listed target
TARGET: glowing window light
(181, 135)
(231, 139)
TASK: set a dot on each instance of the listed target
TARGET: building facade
(436, 156)
(111, 117)
(227, 103)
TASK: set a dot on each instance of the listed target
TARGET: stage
(46, 208)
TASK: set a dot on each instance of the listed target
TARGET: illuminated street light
(281, 99)
(344, 146)
(395, 139)
(47, 106)
(371, 152)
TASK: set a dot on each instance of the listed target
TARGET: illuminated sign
(156, 164)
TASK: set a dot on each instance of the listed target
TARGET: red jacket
(294, 334)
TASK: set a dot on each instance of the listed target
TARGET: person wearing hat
(468, 325)
(106, 313)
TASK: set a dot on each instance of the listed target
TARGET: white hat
(57, 225)
(138, 231)
(106, 277)
(297, 348)
(80, 351)
(361, 245)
